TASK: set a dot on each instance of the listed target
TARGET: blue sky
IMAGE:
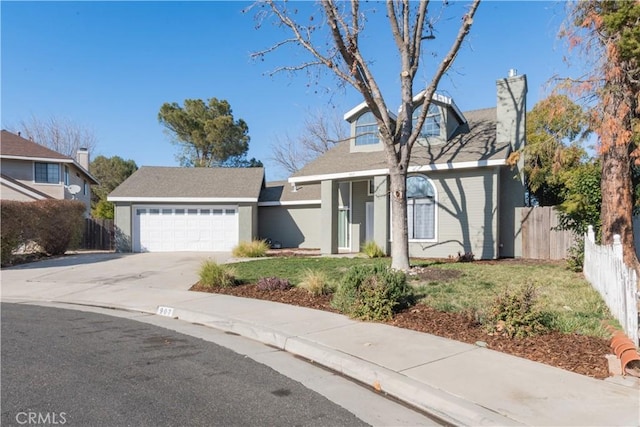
(109, 66)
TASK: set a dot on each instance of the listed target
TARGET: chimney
(511, 110)
(82, 157)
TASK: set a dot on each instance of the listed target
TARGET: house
(30, 171)
(462, 191)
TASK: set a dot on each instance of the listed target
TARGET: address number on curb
(165, 311)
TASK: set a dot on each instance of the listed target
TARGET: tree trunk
(399, 230)
(617, 201)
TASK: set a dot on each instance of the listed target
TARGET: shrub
(514, 314)
(316, 282)
(13, 230)
(372, 250)
(273, 284)
(58, 224)
(214, 275)
(372, 292)
(575, 258)
(465, 257)
(253, 249)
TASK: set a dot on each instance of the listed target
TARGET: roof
(474, 148)
(157, 183)
(282, 193)
(14, 146)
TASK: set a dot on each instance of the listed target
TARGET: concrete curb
(441, 404)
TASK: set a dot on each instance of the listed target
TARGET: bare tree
(320, 132)
(59, 134)
(342, 54)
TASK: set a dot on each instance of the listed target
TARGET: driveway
(167, 270)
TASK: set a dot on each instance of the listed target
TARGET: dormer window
(432, 123)
(366, 129)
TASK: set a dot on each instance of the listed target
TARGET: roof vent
(513, 72)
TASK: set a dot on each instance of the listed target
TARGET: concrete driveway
(167, 270)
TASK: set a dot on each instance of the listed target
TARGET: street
(67, 367)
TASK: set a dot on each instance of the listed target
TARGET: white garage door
(185, 228)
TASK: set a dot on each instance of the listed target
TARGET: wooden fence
(540, 239)
(616, 283)
(98, 234)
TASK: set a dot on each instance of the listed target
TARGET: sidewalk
(460, 383)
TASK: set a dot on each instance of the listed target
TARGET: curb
(449, 408)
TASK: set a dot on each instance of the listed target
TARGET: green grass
(575, 306)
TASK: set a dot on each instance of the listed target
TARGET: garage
(185, 228)
(171, 209)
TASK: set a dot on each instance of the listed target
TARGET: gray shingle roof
(479, 143)
(175, 182)
(282, 191)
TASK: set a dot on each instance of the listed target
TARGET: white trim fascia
(21, 189)
(355, 111)
(39, 159)
(182, 199)
(291, 203)
(378, 172)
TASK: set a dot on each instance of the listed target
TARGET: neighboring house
(30, 171)
(461, 190)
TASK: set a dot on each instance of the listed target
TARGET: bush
(54, 225)
(316, 282)
(372, 250)
(465, 257)
(514, 314)
(14, 228)
(273, 284)
(253, 249)
(58, 224)
(214, 275)
(575, 259)
(372, 292)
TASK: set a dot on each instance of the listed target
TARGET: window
(47, 172)
(66, 175)
(421, 212)
(431, 125)
(366, 129)
(85, 188)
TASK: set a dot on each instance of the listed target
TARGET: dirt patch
(577, 353)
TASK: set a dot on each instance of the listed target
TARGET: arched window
(421, 208)
(431, 125)
(366, 129)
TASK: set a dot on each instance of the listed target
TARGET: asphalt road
(67, 367)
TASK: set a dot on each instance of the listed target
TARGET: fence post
(617, 246)
(591, 235)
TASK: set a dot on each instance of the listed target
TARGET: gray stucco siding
(123, 227)
(247, 222)
(466, 215)
(292, 226)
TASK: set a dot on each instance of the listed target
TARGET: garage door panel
(185, 228)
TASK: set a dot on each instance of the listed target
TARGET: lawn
(469, 287)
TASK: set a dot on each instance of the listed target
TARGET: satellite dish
(73, 189)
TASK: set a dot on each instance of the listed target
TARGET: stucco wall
(122, 223)
(247, 222)
(466, 215)
(23, 172)
(292, 226)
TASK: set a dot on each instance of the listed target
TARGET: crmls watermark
(41, 418)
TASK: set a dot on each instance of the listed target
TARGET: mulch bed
(577, 353)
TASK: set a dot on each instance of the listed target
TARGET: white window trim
(435, 215)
